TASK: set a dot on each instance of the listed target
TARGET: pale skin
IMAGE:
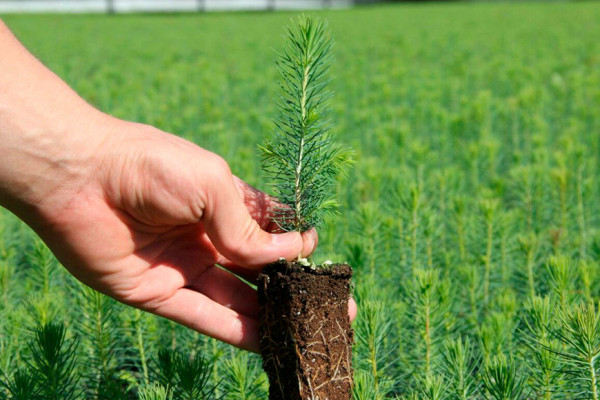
(134, 212)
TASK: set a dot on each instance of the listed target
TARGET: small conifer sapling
(306, 339)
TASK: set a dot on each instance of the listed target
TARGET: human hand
(136, 213)
(151, 222)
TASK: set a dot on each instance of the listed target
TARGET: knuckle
(219, 167)
(216, 171)
(248, 240)
(251, 230)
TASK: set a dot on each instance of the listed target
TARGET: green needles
(301, 159)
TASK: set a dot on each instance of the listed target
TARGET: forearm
(46, 132)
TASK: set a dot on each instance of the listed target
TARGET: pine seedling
(431, 387)
(430, 225)
(459, 363)
(301, 159)
(459, 214)
(44, 266)
(579, 331)
(529, 246)
(523, 181)
(507, 231)
(474, 156)
(496, 329)
(443, 179)
(193, 377)
(560, 177)
(372, 331)
(502, 380)
(53, 362)
(368, 226)
(430, 316)
(365, 388)
(540, 313)
(356, 255)
(154, 392)
(141, 342)
(42, 306)
(581, 184)
(98, 330)
(588, 271)
(21, 386)
(243, 379)
(3, 342)
(402, 359)
(562, 274)
(166, 369)
(41, 309)
(489, 209)
(545, 369)
(118, 388)
(412, 203)
(470, 297)
(7, 271)
(171, 335)
(12, 341)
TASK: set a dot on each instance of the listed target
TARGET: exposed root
(310, 357)
(272, 345)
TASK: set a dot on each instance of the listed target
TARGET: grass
(471, 216)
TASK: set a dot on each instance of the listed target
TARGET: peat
(306, 339)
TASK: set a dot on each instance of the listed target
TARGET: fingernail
(287, 239)
(311, 240)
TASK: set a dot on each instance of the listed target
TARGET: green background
(477, 134)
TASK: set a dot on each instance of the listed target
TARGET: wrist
(48, 134)
(48, 158)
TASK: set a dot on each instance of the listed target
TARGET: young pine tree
(21, 386)
(98, 330)
(180, 376)
(243, 379)
(373, 350)
(364, 387)
(459, 365)
(154, 392)
(502, 379)
(546, 371)
(193, 378)
(53, 362)
(301, 159)
(579, 332)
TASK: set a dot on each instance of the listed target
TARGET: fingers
(259, 204)
(238, 236)
(310, 240)
(198, 312)
(227, 290)
(352, 309)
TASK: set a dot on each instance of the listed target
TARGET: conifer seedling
(301, 159)
(306, 339)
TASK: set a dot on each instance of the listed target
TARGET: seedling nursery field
(471, 216)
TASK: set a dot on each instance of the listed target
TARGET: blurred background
(169, 5)
(471, 217)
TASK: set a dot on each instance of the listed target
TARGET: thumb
(236, 235)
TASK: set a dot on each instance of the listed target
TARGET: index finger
(261, 207)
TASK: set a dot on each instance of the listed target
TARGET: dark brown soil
(306, 339)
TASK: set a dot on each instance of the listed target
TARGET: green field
(471, 217)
